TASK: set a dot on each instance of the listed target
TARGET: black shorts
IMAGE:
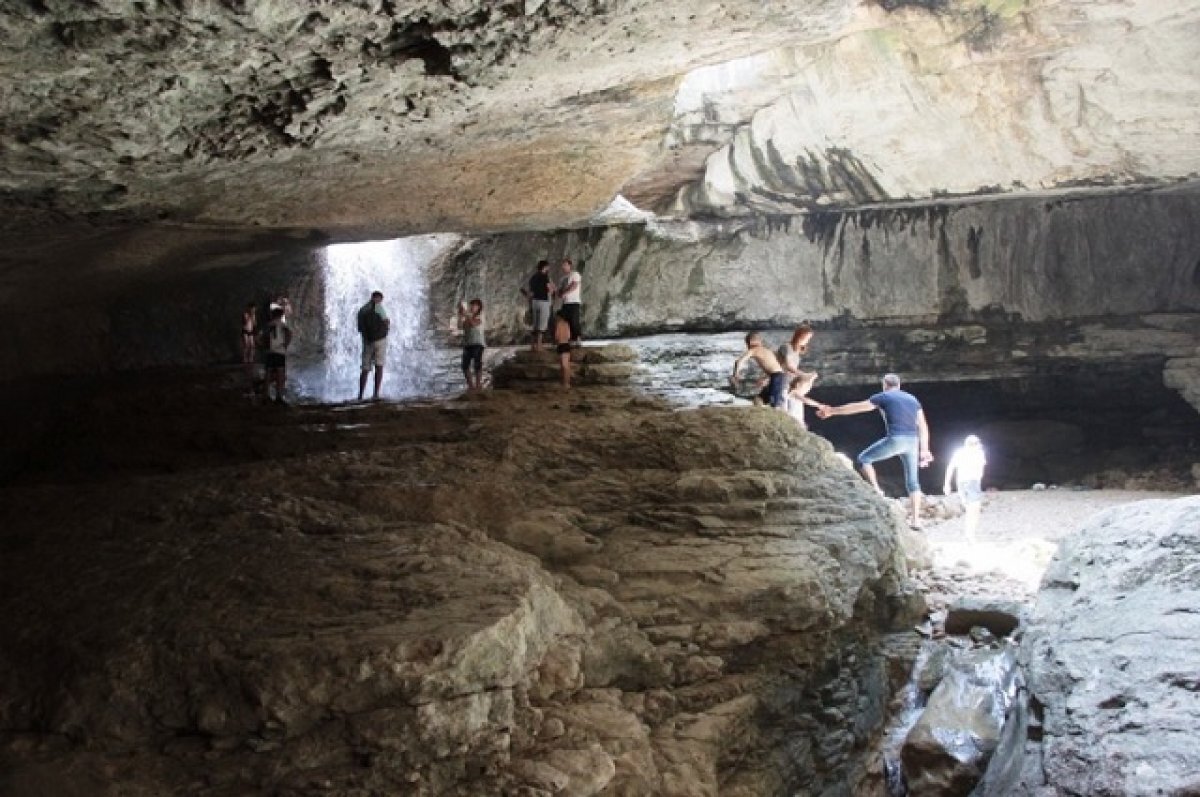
(472, 355)
(775, 393)
(563, 348)
(276, 360)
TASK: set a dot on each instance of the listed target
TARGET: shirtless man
(775, 393)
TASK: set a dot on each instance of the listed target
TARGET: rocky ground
(522, 592)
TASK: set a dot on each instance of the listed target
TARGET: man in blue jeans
(907, 437)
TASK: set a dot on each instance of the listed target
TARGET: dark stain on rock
(1196, 274)
(974, 237)
(821, 228)
(932, 6)
(612, 96)
(986, 27)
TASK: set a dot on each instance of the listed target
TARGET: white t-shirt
(969, 461)
(571, 287)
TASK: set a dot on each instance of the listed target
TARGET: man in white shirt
(570, 288)
(967, 466)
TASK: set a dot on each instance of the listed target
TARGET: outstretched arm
(853, 408)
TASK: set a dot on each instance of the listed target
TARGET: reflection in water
(351, 272)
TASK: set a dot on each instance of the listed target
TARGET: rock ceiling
(377, 117)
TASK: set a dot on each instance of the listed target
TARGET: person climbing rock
(373, 325)
(906, 436)
(775, 390)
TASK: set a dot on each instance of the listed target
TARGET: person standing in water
(967, 466)
(373, 325)
(470, 318)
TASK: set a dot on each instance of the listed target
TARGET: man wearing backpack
(373, 325)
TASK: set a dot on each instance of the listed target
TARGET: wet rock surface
(1111, 655)
(516, 593)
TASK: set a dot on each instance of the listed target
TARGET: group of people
(274, 337)
(785, 386)
(542, 291)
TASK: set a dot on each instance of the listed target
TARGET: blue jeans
(907, 447)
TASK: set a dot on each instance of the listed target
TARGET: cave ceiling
(368, 117)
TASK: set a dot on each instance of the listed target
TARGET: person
(540, 291)
(470, 318)
(277, 337)
(249, 336)
(774, 392)
(797, 396)
(906, 436)
(562, 340)
(570, 288)
(789, 353)
(966, 466)
(373, 325)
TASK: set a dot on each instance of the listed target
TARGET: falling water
(397, 268)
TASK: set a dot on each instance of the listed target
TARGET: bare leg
(564, 366)
(972, 520)
(868, 472)
(378, 380)
(280, 381)
(537, 340)
(362, 383)
(478, 379)
(914, 499)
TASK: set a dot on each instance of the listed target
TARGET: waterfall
(351, 272)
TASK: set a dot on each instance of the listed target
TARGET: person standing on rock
(539, 293)
(373, 325)
(570, 288)
(967, 466)
(278, 337)
(789, 353)
(906, 436)
(470, 318)
(775, 391)
(562, 346)
(797, 397)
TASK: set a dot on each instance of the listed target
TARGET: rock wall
(1111, 653)
(1030, 260)
(585, 595)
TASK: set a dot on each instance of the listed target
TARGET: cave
(642, 585)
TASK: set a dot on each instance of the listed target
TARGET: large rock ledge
(1111, 656)
(517, 594)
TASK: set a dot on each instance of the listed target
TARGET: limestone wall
(1031, 260)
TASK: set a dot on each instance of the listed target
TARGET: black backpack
(370, 325)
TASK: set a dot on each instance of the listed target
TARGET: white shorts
(374, 354)
(541, 315)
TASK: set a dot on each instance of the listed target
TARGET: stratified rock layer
(503, 595)
(1111, 655)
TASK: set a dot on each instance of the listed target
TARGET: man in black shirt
(539, 294)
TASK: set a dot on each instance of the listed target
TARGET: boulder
(947, 750)
(1111, 651)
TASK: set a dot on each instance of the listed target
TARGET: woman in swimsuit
(249, 333)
